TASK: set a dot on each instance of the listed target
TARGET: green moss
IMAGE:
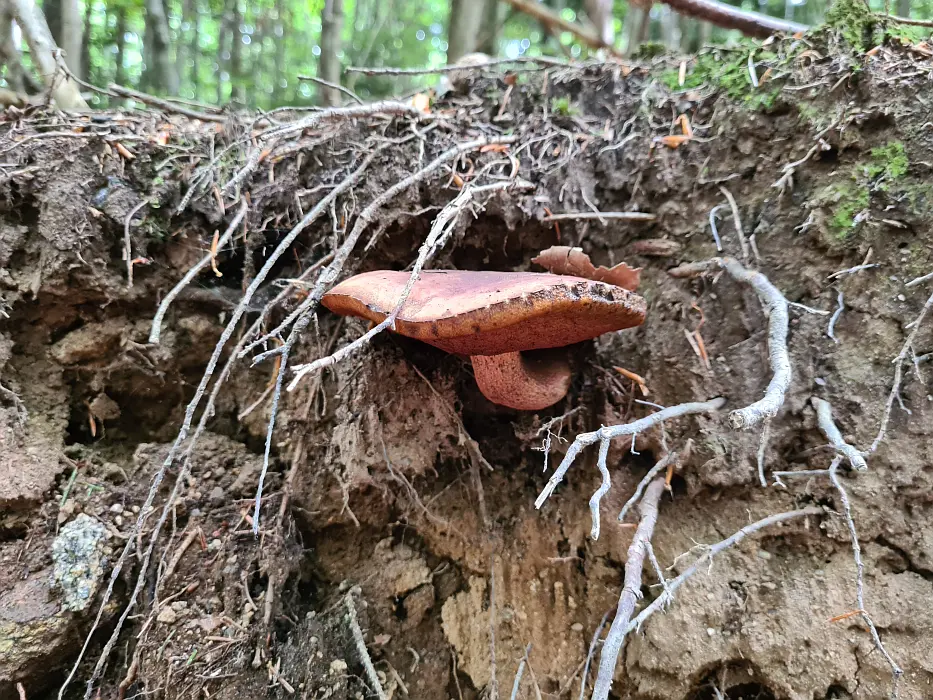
(649, 49)
(563, 107)
(889, 160)
(727, 71)
(849, 199)
(855, 22)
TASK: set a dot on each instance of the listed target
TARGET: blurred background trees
(251, 52)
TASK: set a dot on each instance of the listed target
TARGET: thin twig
(156, 332)
(599, 215)
(661, 465)
(592, 650)
(333, 86)
(852, 270)
(165, 105)
(824, 417)
(542, 60)
(713, 213)
(360, 643)
(614, 431)
(907, 20)
(896, 670)
(631, 592)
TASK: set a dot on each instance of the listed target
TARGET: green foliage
(849, 199)
(728, 71)
(854, 20)
(889, 161)
(563, 107)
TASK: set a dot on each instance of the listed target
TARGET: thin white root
(602, 490)
(896, 671)
(360, 643)
(775, 307)
(631, 592)
(614, 431)
(156, 332)
(653, 472)
(824, 417)
(906, 350)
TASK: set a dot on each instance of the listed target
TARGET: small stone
(710, 632)
(576, 627)
(218, 497)
(167, 616)
(180, 605)
(118, 521)
(769, 585)
(819, 381)
(338, 666)
(214, 545)
(207, 475)
(135, 509)
(195, 513)
(762, 554)
(116, 508)
(901, 297)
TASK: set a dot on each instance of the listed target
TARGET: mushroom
(494, 317)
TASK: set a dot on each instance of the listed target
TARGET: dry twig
(824, 416)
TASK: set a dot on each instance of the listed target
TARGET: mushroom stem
(526, 383)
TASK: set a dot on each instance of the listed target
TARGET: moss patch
(728, 71)
(889, 161)
(855, 22)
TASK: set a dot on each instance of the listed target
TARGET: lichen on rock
(79, 557)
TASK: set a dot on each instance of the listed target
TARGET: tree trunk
(86, 41)
(41, 47)
(490, 28)
(903, 8)
(278, 70)
(119, 75)
(329, 64)
(670, 29)
(70, 42)
(165, 76)
(52, 9)
(9, 56)
(600, 14)
(463, 28)
(182, 47)
(195, 50)
(237, 93)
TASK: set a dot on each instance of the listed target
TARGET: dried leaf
(124, 151)
(564, 260)
(656, 247)
(494, 148)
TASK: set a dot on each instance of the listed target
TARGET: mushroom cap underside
(490, 313)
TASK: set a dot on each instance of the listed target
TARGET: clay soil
(391, 478)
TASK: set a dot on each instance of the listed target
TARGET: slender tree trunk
(329, 64)
(278, 69)
(903, 8)
(236, 54)
(182, 47)
(670, 29)
(119, 76)
(86, 40)
(600, 14)
(636, 20)
(52, 9)
(9, 56)
(490, 27)
(41, 47)
(195, 50)
(463, 28)
(70, 42)
(166, 77)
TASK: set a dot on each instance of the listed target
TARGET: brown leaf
(564, 260)
(656, 247)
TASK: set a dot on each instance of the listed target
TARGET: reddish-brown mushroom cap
(493, 317)
(490, 313)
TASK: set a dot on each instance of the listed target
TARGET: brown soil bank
(392, 483)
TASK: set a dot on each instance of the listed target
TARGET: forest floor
(392, 483)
